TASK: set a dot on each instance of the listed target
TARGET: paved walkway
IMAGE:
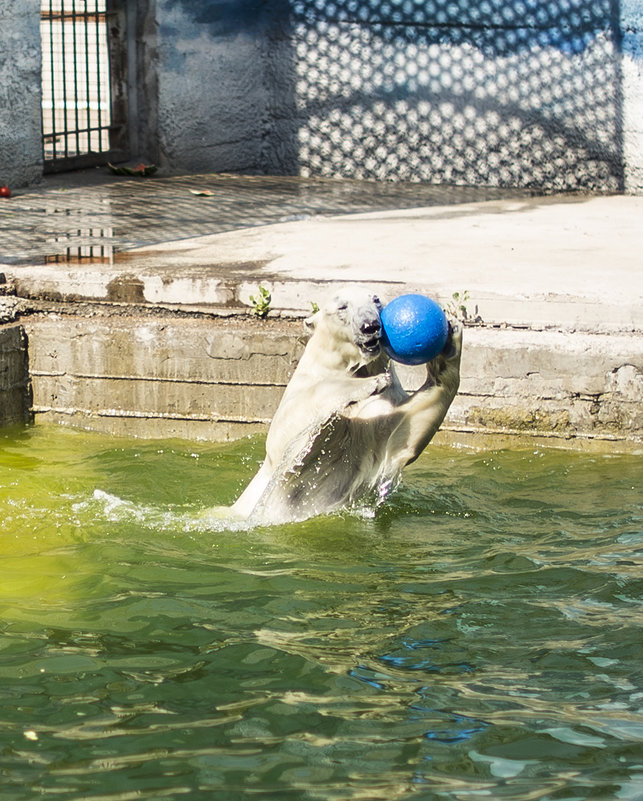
(97, 209)
(571, 262)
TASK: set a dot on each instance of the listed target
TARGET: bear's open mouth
(370, 336)
(371, 345)
(367, 331)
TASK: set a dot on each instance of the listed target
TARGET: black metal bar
(105, 132)
(53, 89)
(88, 112)
(73, 22)
(63, 58)
(98, 82)
(84, 134)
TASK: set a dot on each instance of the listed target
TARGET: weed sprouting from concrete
(261, 303)
(457, 306)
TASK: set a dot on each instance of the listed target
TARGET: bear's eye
(342, 306)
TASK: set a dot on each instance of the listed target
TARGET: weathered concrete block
(171, 377)
(156, 398)
(222, 378)
(551, 384)
(15, 397)
(189, 351)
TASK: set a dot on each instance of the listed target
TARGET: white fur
(345, 427)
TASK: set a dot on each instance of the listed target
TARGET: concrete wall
(551, 384)
(15, 395)
(498, 93)
(20, 93)
(632, 72)
(187, 378)
(212, 78)
(543, 94)
(223, 378)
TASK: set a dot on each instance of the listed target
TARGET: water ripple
(479, 635)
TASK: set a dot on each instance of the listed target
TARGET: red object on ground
(5, 191)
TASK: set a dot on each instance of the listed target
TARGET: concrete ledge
(567, 262)
(159, 340)
(221, 378)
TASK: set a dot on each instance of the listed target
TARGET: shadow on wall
(495, 92)
(499, 92)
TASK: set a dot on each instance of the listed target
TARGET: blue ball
(414, 329)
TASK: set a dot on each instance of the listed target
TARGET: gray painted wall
(20, 92)
(632, 76)
(503, 92)
(214, 75)
(539, 93)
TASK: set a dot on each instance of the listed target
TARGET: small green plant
(457, 306)
(315, 307)
(261, 304)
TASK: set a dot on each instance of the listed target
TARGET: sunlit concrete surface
(135, 299)
(95, 210)
(570, 261)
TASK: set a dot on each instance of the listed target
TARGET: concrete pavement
(554, 343)
(561, 263)
(568, 262)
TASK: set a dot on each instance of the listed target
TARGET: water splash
(118, 510)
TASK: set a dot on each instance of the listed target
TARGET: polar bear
(345, 427)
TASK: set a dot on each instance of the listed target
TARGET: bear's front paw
(454, 341)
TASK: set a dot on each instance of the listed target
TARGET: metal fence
(83, 87)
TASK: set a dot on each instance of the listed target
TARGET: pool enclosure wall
(15, 384)
(222, 378)
(545, 94)
(21, 161)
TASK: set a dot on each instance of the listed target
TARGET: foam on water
(155, 518)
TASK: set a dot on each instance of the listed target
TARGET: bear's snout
(370, 334)
(370, 327)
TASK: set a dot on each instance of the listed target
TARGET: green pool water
(478, 636)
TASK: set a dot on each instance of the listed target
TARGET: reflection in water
(83, 246)
(479, 635)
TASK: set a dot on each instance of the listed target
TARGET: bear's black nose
(370, 327)
(370, 334)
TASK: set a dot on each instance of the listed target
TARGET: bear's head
(348, 329)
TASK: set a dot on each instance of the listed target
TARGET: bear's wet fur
(345, 427)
